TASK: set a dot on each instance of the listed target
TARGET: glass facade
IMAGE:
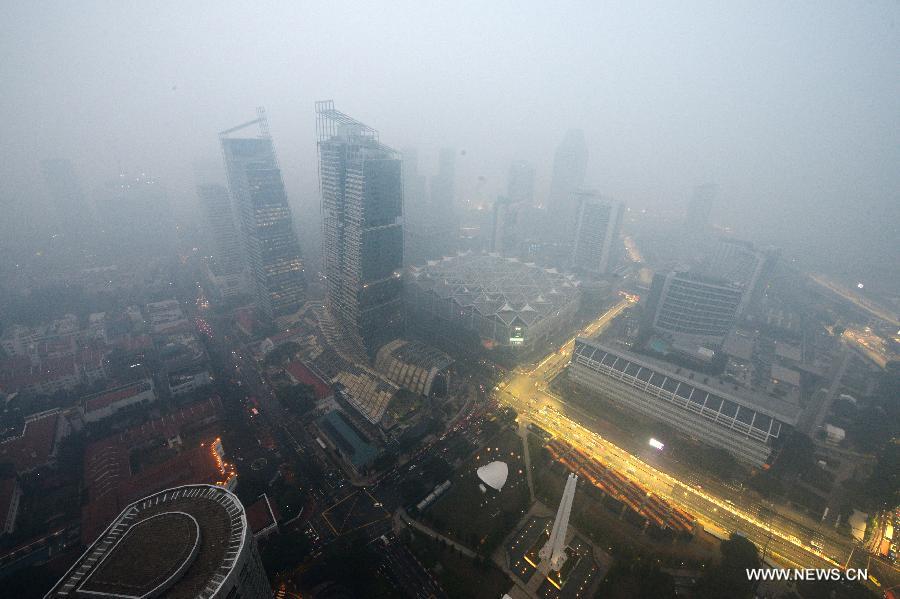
(267, 231)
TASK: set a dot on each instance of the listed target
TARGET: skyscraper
(270, 242)
(597, 233)
(569, 167)
(362, 209)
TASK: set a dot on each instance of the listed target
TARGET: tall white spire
(555, 548)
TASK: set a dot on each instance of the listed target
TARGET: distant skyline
(792, 110)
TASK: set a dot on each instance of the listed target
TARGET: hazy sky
(792, 108)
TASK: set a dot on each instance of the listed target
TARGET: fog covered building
(744, 424)
(267, 230)
(740, 263)
(191, 541)
(362, 209)
(505, 302)
(692, 308)
(597, 233)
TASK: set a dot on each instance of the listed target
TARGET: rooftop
(35, 445)
(181, 542)
(788, 376)
(784, 410)
(103, 399)
(411, 364)
(357, 450)
(367, 391)
(788, 351)
(111, 483)
(261, 515)
(300, 373)
(503, 288)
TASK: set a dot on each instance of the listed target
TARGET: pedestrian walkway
(402, 517)
(523, 432)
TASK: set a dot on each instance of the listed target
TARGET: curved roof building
(494, 474)
(186, 542)
(505, 301)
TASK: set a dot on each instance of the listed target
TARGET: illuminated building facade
(362, 209)
(267, 230)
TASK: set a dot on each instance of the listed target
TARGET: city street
(782, 541)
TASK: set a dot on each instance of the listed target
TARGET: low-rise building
(414, 366)
(366, 390)
(165, 316)
(37, 443)
(347, 440)
(10, 495)
(262, 518)
(104, 404)
(502, 301)
(743, 423)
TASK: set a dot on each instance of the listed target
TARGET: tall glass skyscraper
(362, 209)
(267, 231)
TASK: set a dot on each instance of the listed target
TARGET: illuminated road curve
(526, 392)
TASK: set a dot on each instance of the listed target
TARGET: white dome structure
(494, 474)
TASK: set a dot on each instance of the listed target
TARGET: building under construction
(267, 230)
(362, 208)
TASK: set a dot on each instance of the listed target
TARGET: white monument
(555, 548)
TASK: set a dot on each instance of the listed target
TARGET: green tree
(729, 577)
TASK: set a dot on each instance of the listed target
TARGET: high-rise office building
(190, 541)
(700, 208)
(520, 185)
(73, 216)
(362, 210)
(266, 228)
(692, 308)
(569, 168)
(597, 230)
